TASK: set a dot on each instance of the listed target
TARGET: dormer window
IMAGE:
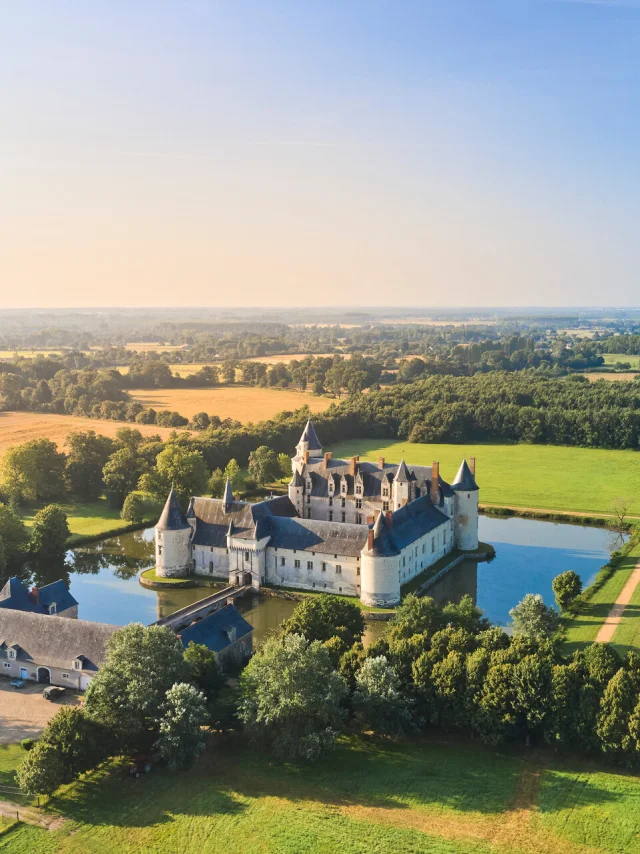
(76, 664)
(12, 653)
(358, 490)
(52, 608)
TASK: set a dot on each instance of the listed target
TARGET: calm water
(529, 554)
(103, 576)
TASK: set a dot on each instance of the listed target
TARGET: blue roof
(214, 631)
(14, 595)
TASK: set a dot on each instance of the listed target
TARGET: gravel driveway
(24, 712)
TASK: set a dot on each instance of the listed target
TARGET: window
(210, 566)
(76, 665)
(331, 515)
(358, 571)
(331, 502)
(385, 506)
(309, 564)
(52, 608)
(339, 589)
(65, 675)
(324, 566)
(404, 562)
(344, 502)
(308, 512)
(359, 503)
(358, 490)
(338, 569)
(444, 535)
(12, 653)
(424, 548)
(6, 664)
(433, 544)
(246, 556)
(159, 550)
(296, 564)
(416, 551)
(344, 517)
(385, 492)
(358, 518)
(282, 561)
(308, 499)
(211, 549)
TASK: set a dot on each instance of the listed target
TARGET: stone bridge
(185, 616)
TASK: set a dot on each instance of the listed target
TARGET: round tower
(173, 540)
(379, 573)
(465, 516)
(296, 492)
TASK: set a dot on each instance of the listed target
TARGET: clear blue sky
(480, 152)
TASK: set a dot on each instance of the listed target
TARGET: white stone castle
(348, 527)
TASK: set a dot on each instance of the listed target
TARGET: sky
(319, 152)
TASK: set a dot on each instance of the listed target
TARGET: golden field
(243, 403)
(146, 346)
(18, 427)
(621, 377)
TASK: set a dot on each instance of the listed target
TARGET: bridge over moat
(198, 610)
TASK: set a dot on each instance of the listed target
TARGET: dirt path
(608, 628)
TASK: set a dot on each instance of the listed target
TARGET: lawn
(627, 636)
(85, 520)
(613, 358)
(544, 477)
(427, 796)
(243, 403)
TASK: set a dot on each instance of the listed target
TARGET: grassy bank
(411, 797)
(537, 477)
(590, 610)
(91, 521)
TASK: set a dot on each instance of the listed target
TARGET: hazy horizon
(271, 153)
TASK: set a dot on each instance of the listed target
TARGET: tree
(234, 473)
(179, 467)
(200, 421)
(532, 618)
(33, 471)
(284, 466)
(291, 698)
(42, 770)
(122, 471)
(50, 532)
(82, 742)
(263, 465)
(14, 537)
(182, 714)
(134, 508)
(216, 483)
(415, 615)
(323, 617)
(533, 693)
(465, 615)
(616, 707)
(202, 666)
(142, 663)
(618, 524)
(87, 455)
(566, 587)
(378, 701)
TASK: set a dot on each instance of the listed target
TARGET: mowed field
(244, 403)
(18, 427)
(612, 358)
(437, 796)
(619, 376)
(539, 477)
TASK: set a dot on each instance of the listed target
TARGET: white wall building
(350, 527)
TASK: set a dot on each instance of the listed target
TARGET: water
(103, 576)
(529, 554)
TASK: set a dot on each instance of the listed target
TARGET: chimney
(328, 455)
(381, 463)
(370, 539)
(472, 465)
(352, 466)
(305, 457)
(34, 594)
(370, 520)
(435, 486)
(389, 516)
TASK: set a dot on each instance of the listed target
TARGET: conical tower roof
(172, 518)
(383, 542)
(402, 475)
(297, 479)
(309, 436)
(464, 481)
(227, 498)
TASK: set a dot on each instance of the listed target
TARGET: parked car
(18, 683)
(53, 692)
(143, 763)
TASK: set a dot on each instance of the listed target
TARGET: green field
(85, 520)
(421, 797)
(543, 477)
(612, 358)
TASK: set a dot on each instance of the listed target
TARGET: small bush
(27, 743)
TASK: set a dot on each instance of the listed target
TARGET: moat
(104, 576)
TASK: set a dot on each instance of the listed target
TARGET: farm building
(53, 599)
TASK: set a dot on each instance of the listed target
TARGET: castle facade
(347, 527)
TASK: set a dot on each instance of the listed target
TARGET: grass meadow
(612, 358)
(94, 519)
(426, 796)
(538, 477)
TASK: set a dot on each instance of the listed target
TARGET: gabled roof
(15, 595)
(54, 641)
(464, 481)
(213, 520)
(56, 592)
(216, 630)
(172, 518)
(309, 436)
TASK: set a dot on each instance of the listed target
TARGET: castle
(348, 527)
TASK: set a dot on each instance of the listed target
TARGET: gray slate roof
(212, 521)
(407, 524)
(309, 435)
(311, 535)
(56, 592)
(464, 480)
(53, 641)
(383, 543)
(215, 631)
(172, 518)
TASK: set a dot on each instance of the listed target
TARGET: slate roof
(212, 522)
(54, 641)
(213, 631)
(227, 498)
(311, 535)
(309, 436)
(17, 597)
(402, 475)
(383, 542)
(407, 525)
(172, 518)
(464, 480)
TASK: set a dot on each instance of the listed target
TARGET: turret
(379, 573)
(173, 540)
(296, 491)
(465, 517)
(308, 446)
(401, 486)
(227, 498)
